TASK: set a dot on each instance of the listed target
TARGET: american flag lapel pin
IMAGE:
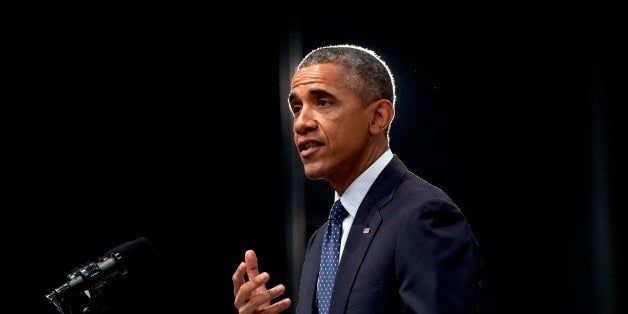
(366, 230)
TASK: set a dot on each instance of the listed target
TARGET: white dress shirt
(355, 193)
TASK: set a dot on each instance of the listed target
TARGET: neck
(341, 182)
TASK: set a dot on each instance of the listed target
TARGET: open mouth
(308, 147)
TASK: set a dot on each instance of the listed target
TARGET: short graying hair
(367, 73)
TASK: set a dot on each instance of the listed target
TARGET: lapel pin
(366, 230)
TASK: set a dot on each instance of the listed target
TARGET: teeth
(309, 145)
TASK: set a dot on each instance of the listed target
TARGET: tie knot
(338, 212)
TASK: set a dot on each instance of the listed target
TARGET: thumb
(250, 259)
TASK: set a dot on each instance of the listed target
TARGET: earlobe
(383, 114)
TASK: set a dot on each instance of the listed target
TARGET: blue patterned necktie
(329, 257)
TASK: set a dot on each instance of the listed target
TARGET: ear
(382, 115)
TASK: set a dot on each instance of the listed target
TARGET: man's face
(330, 124)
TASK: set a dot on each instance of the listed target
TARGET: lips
(308, 147)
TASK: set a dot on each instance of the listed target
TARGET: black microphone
(91, 277)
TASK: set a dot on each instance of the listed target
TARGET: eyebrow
(317, 92)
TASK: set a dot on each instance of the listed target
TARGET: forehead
(324, 74)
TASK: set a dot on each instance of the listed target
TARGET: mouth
(308, 147)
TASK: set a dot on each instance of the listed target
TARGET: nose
(305, 121)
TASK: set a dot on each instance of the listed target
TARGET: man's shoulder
(400, 185)
(412, 185)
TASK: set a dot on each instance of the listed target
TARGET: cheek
(344, 140)
(344, 132)
(356, 131)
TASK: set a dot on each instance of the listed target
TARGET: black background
(164, 123)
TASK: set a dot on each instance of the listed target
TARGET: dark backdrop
(165, 123)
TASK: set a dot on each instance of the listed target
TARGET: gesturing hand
(252, 296)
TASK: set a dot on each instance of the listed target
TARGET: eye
(323, 102)
(296, 109)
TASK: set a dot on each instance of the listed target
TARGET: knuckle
(242, 309)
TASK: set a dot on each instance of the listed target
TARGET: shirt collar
(355, 193)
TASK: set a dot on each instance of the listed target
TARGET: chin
(313, 172)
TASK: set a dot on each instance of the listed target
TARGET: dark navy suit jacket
(419, 256)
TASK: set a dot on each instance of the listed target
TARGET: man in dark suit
(394, 243)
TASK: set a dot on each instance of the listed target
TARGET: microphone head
(138, 252)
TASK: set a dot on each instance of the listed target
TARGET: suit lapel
(358, 242)
(353, 254)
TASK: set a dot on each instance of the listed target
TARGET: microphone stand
(91, 299)
(81, 303)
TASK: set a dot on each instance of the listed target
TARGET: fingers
(238, 278)
(243, 295)
(252, 296)
(261, 302)
(278, 306)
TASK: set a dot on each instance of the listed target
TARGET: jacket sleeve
(437, 260)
